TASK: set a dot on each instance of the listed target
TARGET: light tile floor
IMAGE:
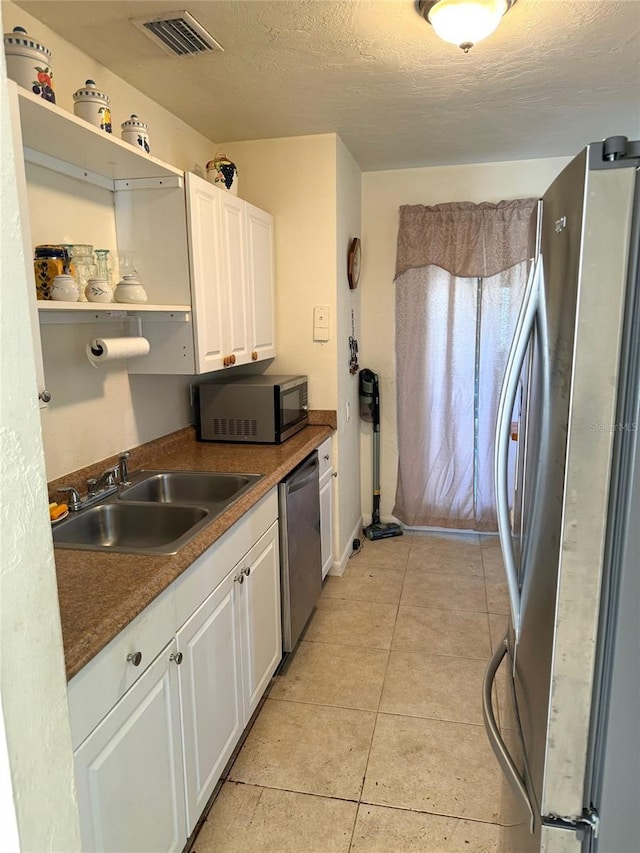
(372, 740)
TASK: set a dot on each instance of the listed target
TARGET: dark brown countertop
(101, 593)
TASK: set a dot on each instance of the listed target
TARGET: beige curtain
(466, 239)
(461, 270)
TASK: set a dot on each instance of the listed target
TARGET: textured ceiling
(555, 75)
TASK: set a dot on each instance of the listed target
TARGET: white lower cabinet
(260, 618)
(210, 693)
(326, 506)
(231, 647)
(129, 773)
(152, 743)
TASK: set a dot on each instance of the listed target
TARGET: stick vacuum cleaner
(370, 412)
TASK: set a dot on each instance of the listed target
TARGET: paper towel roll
(100, 350)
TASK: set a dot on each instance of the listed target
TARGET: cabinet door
(129, 770)
(326, 521)
(233, 241)
(210, 308)
(210, 693)
(261, 283)
(260, 617)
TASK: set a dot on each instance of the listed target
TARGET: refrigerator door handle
(515, 361)
(495, 738)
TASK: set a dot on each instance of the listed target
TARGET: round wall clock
(353, 263)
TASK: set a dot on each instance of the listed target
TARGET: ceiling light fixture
(464, 22)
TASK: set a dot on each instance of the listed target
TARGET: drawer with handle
(324, 457)
(105, 679)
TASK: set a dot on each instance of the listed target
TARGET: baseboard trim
(339, 566)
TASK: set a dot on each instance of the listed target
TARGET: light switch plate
(321, 323)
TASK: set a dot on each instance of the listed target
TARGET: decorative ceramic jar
(92, 105)
(65, 289)
(129, 288)
(98, 290)
(49, 261)
(29, 63)
(136, 132)
(223, 173)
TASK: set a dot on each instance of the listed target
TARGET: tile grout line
(375, 722)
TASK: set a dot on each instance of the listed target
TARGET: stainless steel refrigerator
(568, 739)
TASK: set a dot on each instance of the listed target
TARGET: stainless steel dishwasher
(300, 558)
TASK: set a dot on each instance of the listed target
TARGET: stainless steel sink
(131, 528)
(188, 487)
(158, 514)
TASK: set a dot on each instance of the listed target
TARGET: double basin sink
(160, 513)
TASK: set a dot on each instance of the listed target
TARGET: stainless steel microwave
(261, 409)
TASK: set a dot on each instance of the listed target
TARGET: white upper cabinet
(230, 250)
(234, 263)
(233, 267)
(261, 283)
(207, 286)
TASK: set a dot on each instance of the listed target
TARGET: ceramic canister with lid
(49, 261)
(136, 132)
(65, 289)
(29, 63)
(92, 105)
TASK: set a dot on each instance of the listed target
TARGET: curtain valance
(466, 239)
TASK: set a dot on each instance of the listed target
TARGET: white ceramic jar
(98, 290)
(92, 105)
(136, 132)
(65, 289)
(29, 63)
(130, 290)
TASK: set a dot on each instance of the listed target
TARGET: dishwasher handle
(303, 476)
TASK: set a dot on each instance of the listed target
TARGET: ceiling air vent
(177, 33)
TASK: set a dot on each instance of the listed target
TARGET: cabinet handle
(232, 359)
(326, 457)
(335, 474)
(239, 578)
(45, 396)
(135, 658)
(225, 361)
(254, 356)
(247, 571)
(177, 657)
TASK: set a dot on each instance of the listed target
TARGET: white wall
(382, 195)
(348, 183)
(294, 179)
(32, 674)
(94, 414)
(311, 185)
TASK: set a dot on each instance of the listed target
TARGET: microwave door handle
(515, 361)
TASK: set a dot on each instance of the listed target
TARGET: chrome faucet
(102, 487)
(108, 479)
(124, 471)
